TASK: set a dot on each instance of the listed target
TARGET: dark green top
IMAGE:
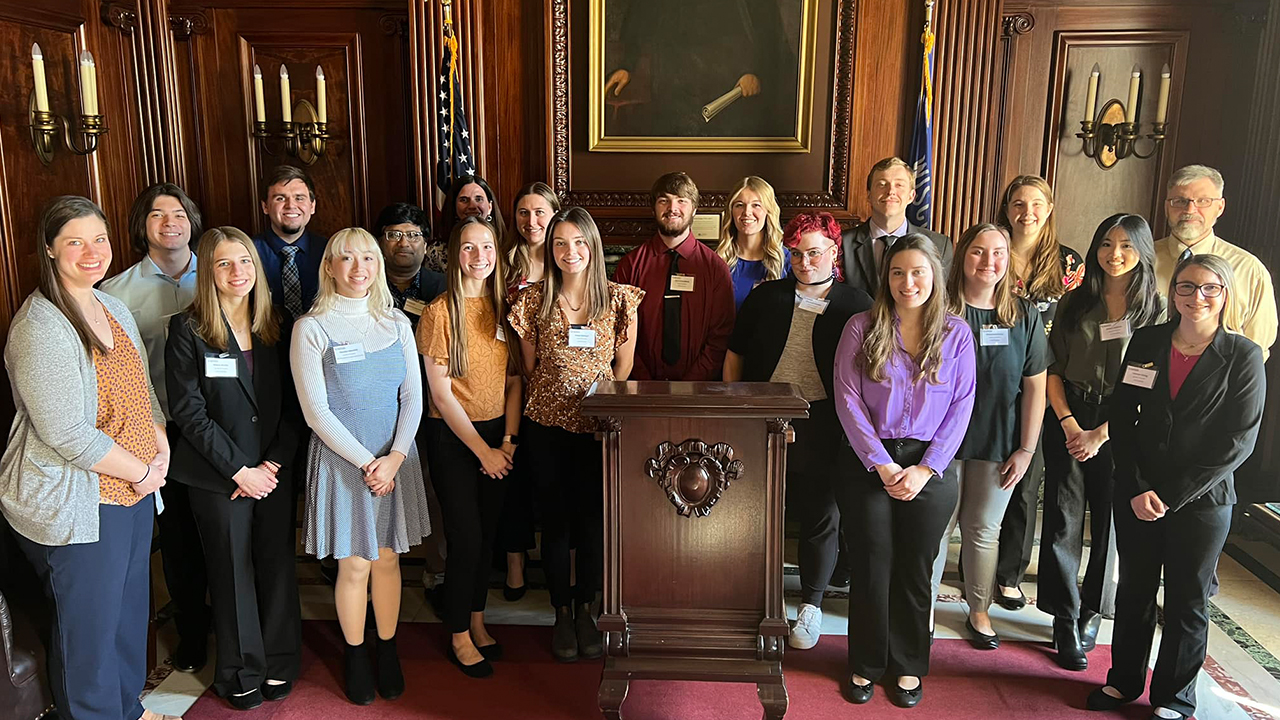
(1083, 359)
(995, 427)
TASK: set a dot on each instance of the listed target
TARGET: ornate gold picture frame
(743, 84)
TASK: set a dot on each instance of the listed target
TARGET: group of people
(368, 371)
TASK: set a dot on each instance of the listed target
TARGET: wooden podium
(694, 475)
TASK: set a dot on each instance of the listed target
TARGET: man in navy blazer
(891, 186)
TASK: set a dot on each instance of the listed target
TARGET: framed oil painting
(701, 75)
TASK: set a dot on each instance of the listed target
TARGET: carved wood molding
(833, 196)
(1017, 24)
(395, 25)
(694, 474)
(188, 24)
(119, 16)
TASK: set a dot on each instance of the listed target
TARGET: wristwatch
(513, 439)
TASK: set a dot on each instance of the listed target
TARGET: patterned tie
(671, 303)
(290, 281)
(1185, 254)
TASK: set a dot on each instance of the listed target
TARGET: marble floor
(1242, 681)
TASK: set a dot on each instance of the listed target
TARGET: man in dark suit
(891, 186)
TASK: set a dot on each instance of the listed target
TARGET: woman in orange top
(472, 421)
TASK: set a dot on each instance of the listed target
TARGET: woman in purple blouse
(904, 387)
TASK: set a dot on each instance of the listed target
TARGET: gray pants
(979, 511)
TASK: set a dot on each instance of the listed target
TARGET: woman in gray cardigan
(86, 454)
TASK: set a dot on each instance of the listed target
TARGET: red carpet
(1017, 681)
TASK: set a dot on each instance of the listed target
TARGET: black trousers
(99, 592)
(1186, 544)
(257, 619)
(895, 541)
(569, 468)
(1018, 528)
(1070, 486)
(182, 558)
(470, 505)
(811, 498)
(515, 532)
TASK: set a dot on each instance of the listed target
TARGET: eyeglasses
(1181, 203)
(813, 255)
(1209, 290)
(413, 236)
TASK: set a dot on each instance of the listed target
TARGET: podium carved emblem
(693, 474)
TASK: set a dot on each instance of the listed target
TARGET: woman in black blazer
(787, 331)
(1184, 416)
(229, 394)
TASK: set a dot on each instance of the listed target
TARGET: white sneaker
(808, 627)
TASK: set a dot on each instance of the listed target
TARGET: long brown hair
(206, 316)
(1044, 267)
(775, 258)
(597, 301)
(456, 302)
(516, 253)
(881, 338)
(60, 211)
(1008, 306)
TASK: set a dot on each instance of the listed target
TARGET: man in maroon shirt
(686, 316)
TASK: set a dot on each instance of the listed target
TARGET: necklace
(567, 302)
(94, 317)
(368, 326)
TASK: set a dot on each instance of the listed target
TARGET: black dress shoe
(277, 692)
(191, 655)
(512, 594)
(1090, 622)
(491, 652)
(1015, 603)
(390, 677)
(590, 646)
(357, 674)
(858, 694)
(981, 640)
(481, 669)
(840, 577)
(1101, 701)
(1066, 640)
(564, 637)
(905, 698)
(247, 701)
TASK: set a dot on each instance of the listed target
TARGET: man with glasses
(891, 186)
(402, 234)
(1193, 203)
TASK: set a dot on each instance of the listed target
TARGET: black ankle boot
(390, 679)
(1090, 622)
(1066, 640)
(584, 622)
(357, 674)
(564, 639)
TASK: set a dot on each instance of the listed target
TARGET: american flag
(453, 139)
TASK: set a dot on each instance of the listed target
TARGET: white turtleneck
(349, 321)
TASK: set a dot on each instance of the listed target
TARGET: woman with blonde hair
(1043, 270)
(472, 428)
(904, 389)
(238, 433)
(354, 366)
(1011, 356)
(751, 237)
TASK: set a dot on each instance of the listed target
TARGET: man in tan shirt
(1193, 203)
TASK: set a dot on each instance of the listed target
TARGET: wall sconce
(44, 124)
(303, 126)
(1112, 135)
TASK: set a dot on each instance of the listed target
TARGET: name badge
(581, 336)
(1117, 330)
(414, 305)
(349, 353)
(993, 336)
(682, 283)
(501, 335)
(814, 305)
(1143, 377)
(219, 367)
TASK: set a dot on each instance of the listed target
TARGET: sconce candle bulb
(37, 70)
(322, 111)
(286, 108)
(259, 103)
(88, 84)
(1091, 104)
(1162, 106)
(1131, 109)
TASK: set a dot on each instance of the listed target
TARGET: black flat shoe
(247, 701)
(1014, 603)
(858, 694)
(512, 594)
(1090, 622)
(981, 640)
(481, 669)
(190, 656)
(905, 698)
(491, 652)
(1102, 702)
(1066, 640)
(277, 692)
